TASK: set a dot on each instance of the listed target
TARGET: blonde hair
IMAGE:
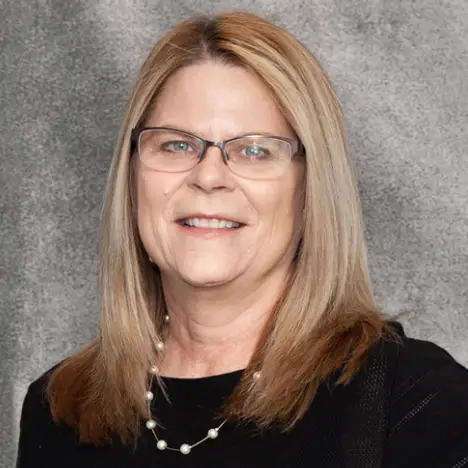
(325, 321)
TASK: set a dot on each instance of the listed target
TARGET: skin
(220, 290)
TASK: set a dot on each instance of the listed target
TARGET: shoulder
(423, 367)
(428, 412)
(35, 400)
(37, 428)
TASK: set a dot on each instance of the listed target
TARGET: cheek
(154, 191)
(149, 198)
(150, 186)
(278, 206)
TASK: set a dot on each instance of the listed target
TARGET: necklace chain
(161, 444)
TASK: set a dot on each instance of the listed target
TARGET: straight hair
(325, 320)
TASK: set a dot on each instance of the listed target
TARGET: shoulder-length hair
(326, 319)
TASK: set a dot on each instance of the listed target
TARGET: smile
(212, 223)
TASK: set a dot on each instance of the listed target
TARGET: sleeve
(429, 411)
(28, 455)
(34, 423)
(23, 459)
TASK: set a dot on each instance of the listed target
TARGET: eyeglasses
(252, 156)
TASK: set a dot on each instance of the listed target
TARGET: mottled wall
(401, 71)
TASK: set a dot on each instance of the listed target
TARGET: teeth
(210, 223)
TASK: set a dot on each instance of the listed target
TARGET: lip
(218, 216)
(209, 233)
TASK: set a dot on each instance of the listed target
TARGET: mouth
(210, 223)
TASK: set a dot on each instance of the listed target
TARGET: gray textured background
(401, 71)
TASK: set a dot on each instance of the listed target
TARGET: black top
(422, 422)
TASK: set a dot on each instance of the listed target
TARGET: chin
(206, 277)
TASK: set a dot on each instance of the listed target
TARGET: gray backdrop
(401, 71)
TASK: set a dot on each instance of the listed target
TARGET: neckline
(202, 392)
(202, 380)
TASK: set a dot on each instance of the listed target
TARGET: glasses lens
(168, 150)
(258, 157)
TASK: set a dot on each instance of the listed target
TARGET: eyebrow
(237, 135)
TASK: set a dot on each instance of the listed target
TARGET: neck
(215, 330)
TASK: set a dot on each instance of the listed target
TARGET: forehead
(217, 101)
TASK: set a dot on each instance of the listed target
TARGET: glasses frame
(294, 144)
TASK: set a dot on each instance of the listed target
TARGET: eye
(255, 151)
(177, 146)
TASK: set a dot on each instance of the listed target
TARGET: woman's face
(217, 102)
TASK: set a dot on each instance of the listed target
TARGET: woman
(238, 325)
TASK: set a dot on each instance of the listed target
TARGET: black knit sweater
(412, 412)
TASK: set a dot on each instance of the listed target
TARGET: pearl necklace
(161, 444)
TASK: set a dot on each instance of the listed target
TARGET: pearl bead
(212, 433)
(160, 346)
(162, 444)
(150, 424)
(257, 375)
(166, 318)
(185, 449)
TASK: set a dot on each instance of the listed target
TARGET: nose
(211, 173)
